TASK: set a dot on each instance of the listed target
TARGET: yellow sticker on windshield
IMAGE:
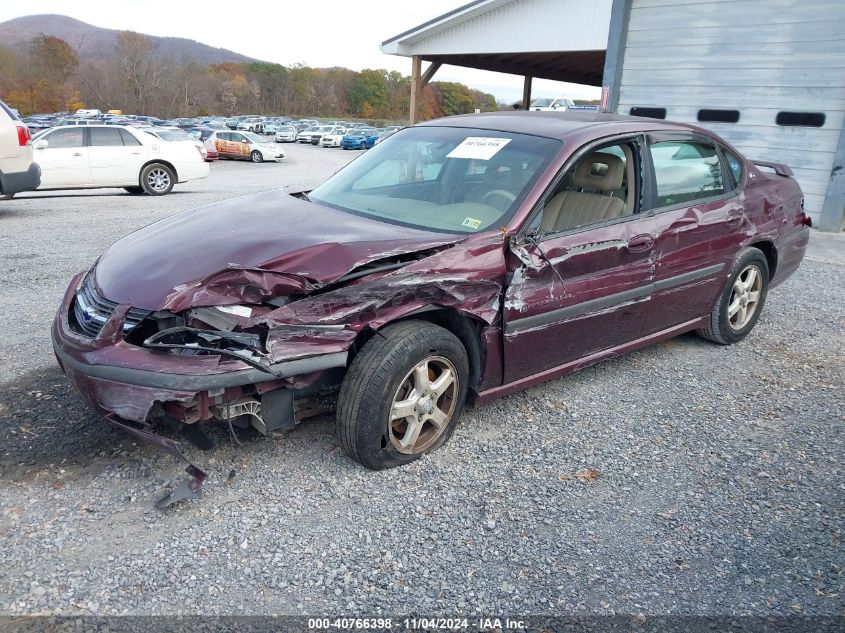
(471, 223)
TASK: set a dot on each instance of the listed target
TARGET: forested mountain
(77, 65)
(92, 42)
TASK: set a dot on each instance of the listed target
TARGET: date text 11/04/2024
(413, 624)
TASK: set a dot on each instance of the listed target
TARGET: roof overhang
(563, 40)
(579, 67)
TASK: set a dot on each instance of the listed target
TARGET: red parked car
(462, 259)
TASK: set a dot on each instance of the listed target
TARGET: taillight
(24, 137)
(203, 152)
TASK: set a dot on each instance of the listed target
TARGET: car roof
(557, 125)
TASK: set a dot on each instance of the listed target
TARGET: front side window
(64, 138)
(422, 178)
(685, 171)
(601, 186)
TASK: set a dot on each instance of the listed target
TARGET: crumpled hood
(246, 249)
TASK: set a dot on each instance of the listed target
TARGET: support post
(833, 208)
(419, 81)
(416, 88)
(617, 40)
(526, 92)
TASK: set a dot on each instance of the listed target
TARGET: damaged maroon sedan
(462, 259)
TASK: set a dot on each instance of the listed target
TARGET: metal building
(767, 75)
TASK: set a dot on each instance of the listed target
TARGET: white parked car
(250, 124)
(285, 134)
(318, 134)
(305, 135)
(17, 171)
(84, 157)
(333, 139)
(555, 104)
(177, 136)
(246, 146)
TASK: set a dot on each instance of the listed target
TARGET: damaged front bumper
(133, 386)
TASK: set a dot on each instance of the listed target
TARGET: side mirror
(40, 144)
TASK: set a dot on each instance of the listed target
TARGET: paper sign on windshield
(478, 148)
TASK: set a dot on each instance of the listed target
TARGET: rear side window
(685, 171)
(734, 166)
(128, 139)
(66, 137)
(105, 137)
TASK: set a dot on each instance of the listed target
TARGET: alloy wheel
(423, 405)
(158, 179)
(745, 297)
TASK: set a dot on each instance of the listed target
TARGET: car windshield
(254, 138)
(286, 128)
(542, 103)
(458, 180)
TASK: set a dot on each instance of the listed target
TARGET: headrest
(599, 171)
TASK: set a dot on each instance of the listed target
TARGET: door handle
(77, 154)
(136, 153)
(735, 217)
(640, 243)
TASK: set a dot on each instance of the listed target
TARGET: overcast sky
(286, 32)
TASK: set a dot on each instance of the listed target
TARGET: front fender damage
(288, 317)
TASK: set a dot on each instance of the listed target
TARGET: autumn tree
(140, 71)
(50, 70)
(369, 87)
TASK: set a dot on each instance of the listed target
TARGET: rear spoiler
(779, 168)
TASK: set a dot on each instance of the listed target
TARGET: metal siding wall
(522, 26)
(755, 56)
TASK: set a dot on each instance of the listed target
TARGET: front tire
(402, 395)
(739, 306)
(157, 179)
(256, 156)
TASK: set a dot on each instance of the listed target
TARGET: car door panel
(65, 162)
(695, 245)
(112, 162)
(590, 296)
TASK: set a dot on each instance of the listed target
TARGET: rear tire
(412, 366)
(157, 179)
(738, 308)
(6, 196)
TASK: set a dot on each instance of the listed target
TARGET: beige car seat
(598, 171)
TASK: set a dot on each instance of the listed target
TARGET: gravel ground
(686, 478)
